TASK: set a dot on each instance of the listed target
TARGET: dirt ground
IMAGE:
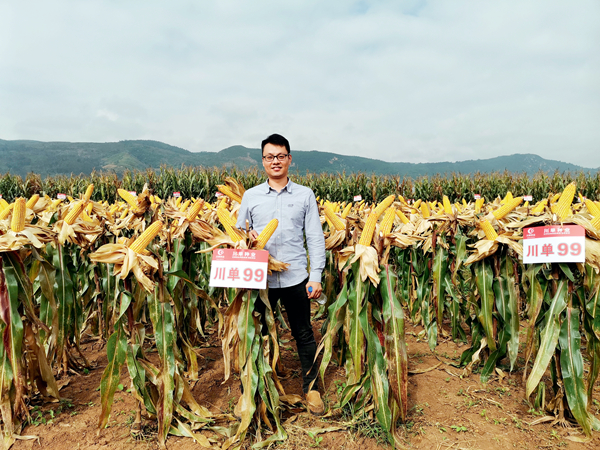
(447, 411)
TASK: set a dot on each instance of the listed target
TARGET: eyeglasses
(280, 157)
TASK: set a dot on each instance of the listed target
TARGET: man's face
(276, 169)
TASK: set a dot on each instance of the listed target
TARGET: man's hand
(316, 289)
(253, 234)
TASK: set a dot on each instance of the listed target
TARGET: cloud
(408, 81)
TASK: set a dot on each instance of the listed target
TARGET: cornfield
(133, 268)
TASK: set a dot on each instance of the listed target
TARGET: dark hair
(278, 140)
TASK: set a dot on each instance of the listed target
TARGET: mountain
(57, 158)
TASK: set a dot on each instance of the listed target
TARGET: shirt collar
(288, 187)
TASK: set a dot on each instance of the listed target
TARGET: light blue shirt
(296, 209)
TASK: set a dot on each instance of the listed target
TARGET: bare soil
(447, 410)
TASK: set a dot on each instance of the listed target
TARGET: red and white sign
(133, 192)
(61, 196)
(528, 198)
(477, 196)
(176, 194)
(239, 268)
(554, 244)
(357, 198)
(218, 194)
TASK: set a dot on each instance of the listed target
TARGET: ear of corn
(337, 223)
(563, 207)
(540, 206)
(184, 206)
(3, 204)
(346, 210)
(88, 193)
(464, 203)
(17, 223)
(266, 234)
(402, 217)
(128, 197)
(488, 229)
(596, 222)
(146, 237)
(74, 212)
(229, 225)
(417, 204)
(508, 198)
(479, 204)
(89, 208)
(6, 211)
(425, 210)
(447, 205)
(195, 210)
(388, 221)
(592, 207)
(385, 204)
(501, 212)
(32, 201)
(367, 233)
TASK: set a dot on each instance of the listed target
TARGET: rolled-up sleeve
(315, 240)
(244, 214)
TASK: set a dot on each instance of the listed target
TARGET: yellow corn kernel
(229, 225)
(346, 210)
(447, 205)
(540, 206)
(388, 221)
(140, 244)
(224, 189)
(563, 207)
(425, 210)
(334, 220)
(507, 207)
(17, 223)
(88, 193)
(367, 233)
(128, 197)
(592, 207)
(402, 217)
(74, 212)
(488, 229)
(266, 234)
(32, 201)
(385, 204)
(195, 210)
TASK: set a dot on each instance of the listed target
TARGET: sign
(61, 196)
(218, 194)
(357, 198)
(477, 196)
(239, 268)
(554, 244)
(528, 198)
(176, 194)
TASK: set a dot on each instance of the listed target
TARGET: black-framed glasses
(280, 157)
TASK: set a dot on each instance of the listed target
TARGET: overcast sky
(411, 81)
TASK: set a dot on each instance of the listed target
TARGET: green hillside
(54, 158)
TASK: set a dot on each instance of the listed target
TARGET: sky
(401, 81)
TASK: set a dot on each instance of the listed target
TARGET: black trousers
(297, 306)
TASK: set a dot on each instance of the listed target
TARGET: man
(296, 209)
